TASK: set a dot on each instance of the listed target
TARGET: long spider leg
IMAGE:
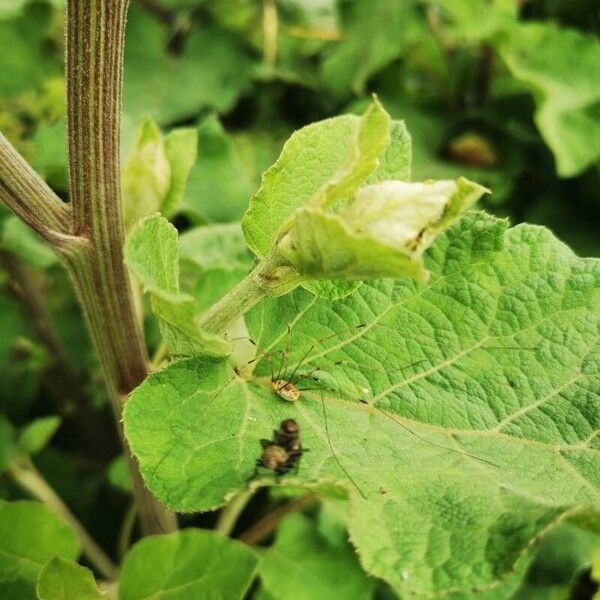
(356, 366)
(314, 345)
(333, 452)
(404, 426)
(449, 347)
(440, 446)
(286, 351)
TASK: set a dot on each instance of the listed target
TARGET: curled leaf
(383, 232)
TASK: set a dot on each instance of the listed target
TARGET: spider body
(286, 390)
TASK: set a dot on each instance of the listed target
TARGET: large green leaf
(479, 427)
(187, 564)
(30, 535)
(313, 567)
(62, 579)
(561, 68)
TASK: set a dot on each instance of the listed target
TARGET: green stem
(230, 513)
(261, 529)
(126, 529)
(29, 478)
(270, 277)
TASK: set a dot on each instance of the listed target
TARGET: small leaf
(313, 568)
(36, 435)
(30, 535)
(188, 564)
(323, 165)
(410, 215)
(146, 175)
(156, 172)
(180, 148)
(62, 579)
(118, 474)
(561, 68)
(322, 246)
(152, 254)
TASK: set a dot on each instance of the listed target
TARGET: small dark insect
(282, 453)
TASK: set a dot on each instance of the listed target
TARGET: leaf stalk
(30, 479)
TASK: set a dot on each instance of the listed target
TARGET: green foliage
(557, 65)
(30, 535)
(16, 237)
(118, 475)
(561, 558)
(452, 428)
(211, 72)
(155, 176)
(220, 183)
(152, 254)
(190, 563)
(36, 435)
(62, 579)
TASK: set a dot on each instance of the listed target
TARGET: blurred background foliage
(505, 92)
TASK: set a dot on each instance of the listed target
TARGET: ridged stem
(94, 67)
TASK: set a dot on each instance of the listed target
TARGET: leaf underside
(480, 427)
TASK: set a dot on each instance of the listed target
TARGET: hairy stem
(94, 65)
(270, 277)
(29, 478)
(29, 197)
